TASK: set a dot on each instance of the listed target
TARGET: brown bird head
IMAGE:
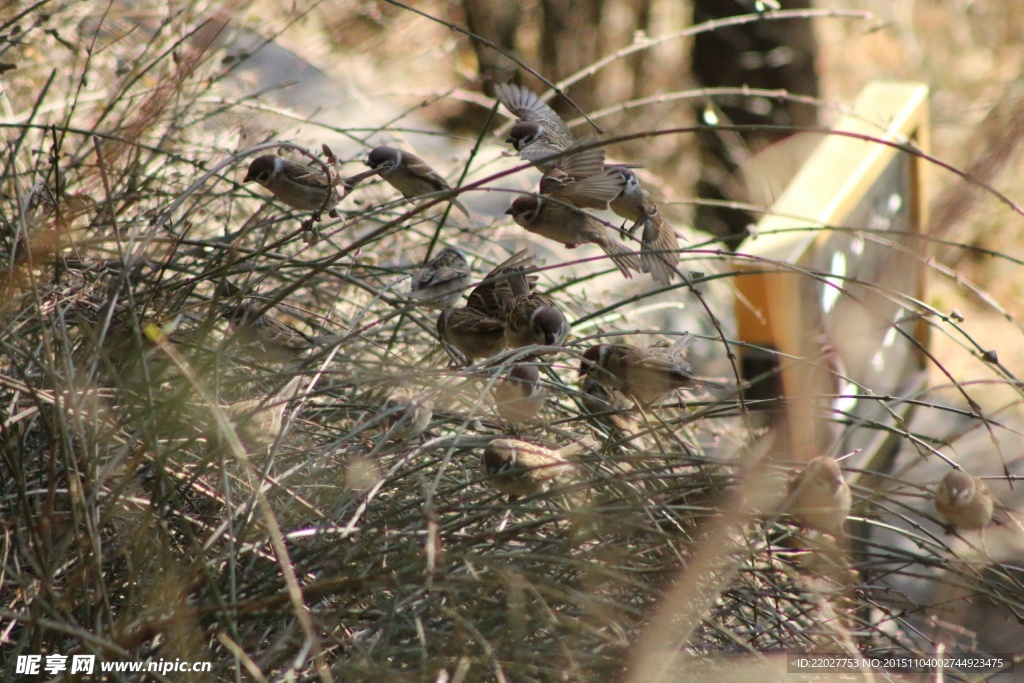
(524, 207)
(524, 134)
(261, 169)
(963, 501)
(593, 358)
(526, 374)
(383, 158)
(496, 459)
(957, 487)
(548, 326)
(823, 473)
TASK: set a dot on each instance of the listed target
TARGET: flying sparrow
(301, 187)
(659, 242)
(556, 220)
(258, 420)
(609, 406)
(583, 180)
(518, 468)
(963, 501)
(539, 131)
(819, 496)
(406, 414)
(406, 172)
(519, 395)
(644, 374)
(440, 283)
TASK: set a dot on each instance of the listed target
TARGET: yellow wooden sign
(829, 287)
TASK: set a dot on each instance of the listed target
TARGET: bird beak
(248, 178)
(509, 212)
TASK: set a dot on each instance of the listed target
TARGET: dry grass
(137, 525)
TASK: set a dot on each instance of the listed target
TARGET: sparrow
(406, 414)
(405, 172)
(530, 318)
(534, 319)
(539, 132)
(644, 374)
(258, 420)
(609, 406)
(963, 501)
(440, 283)
(659, 242)
(301, 187)
(819, 496)
(518, 468)
(556, 220)
(519, 395)
(583, 180)
(477, 329)
(264, 335)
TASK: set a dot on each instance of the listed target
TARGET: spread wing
(528, 107)
(502, 284)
